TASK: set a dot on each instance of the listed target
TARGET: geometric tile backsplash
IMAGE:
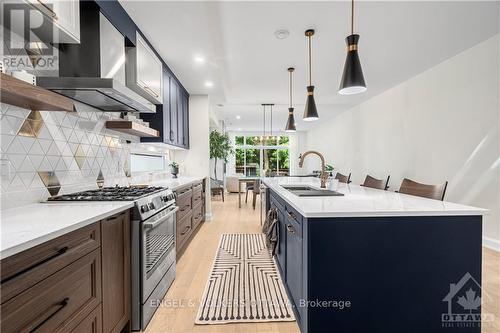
(73, 148)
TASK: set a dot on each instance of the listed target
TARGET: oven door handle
(151, 225)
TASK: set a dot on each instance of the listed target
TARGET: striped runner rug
(244, 285)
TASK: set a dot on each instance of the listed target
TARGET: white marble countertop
(24, 227)
(364, 202)
(175, 183)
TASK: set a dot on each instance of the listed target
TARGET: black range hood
(93, 72)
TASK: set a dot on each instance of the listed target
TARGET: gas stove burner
(109, 194)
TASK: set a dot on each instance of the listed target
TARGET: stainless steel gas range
(152, 243)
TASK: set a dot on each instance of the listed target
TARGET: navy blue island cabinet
(380, 274)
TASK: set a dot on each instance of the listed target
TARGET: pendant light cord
(271, 129)
(291, 83)
(352, 17)
(310, 62)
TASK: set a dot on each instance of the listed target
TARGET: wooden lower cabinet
(115, 248)
(91, 324)
(191, 203)
(78, 282)
(54, 303)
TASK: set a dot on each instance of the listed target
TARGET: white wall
(443, 124)
(195, 161)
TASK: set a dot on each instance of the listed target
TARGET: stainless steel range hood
(105, 94)
(93, 72)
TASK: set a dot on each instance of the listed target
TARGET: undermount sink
(309, 191)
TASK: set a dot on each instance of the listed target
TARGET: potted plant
(174, 169)
(220, 148)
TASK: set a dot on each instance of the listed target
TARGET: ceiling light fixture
(238, 117)
(282, 33)
(310, 112)
(199, 59)
(352, 81)
(290, 124)
(209, 84)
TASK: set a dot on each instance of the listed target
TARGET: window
(256, 155)
(146, 163)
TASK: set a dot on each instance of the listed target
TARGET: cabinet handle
(59, 306)
(59, 252)
(183, 209)
(186, 230)
(290, 228)
(291, 215)
(48, 10)
(148, 89)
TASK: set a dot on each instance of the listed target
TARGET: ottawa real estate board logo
(464, 301)
(27, 36)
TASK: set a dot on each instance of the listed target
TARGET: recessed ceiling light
(281, 33)
(199, 59)
(238, 117)
(209, 84)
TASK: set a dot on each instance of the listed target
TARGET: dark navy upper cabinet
(172, 118)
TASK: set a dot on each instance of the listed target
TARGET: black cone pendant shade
(310, 112)
(290, 124)
(352, 81)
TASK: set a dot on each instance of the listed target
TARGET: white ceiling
(247, 63)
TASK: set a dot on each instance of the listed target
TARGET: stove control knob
(151, 206)
(144, 208)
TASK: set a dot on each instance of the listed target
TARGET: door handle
(48, 10)
(61, 305)
(186, 230)
(151, 225)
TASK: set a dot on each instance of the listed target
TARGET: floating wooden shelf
(19, 93)
(132, 128)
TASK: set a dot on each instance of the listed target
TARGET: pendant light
(310, 112)
(290, 124)
(352, 81)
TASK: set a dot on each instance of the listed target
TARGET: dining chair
(216, 187)
(379, 184)
(256, 191)
(249, 187)
(411, 187)
(343, 178)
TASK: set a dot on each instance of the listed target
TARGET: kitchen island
(377, 261)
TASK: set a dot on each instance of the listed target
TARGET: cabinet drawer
(23, 270)
(184, 229)
(292, 223)
(197, 216)
(184, 210)
(56, 303)
(91, 324)
(197, 187)
(197, 199)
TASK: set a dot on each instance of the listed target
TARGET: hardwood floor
(491, 289)
(179, 308)
(181, 302)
